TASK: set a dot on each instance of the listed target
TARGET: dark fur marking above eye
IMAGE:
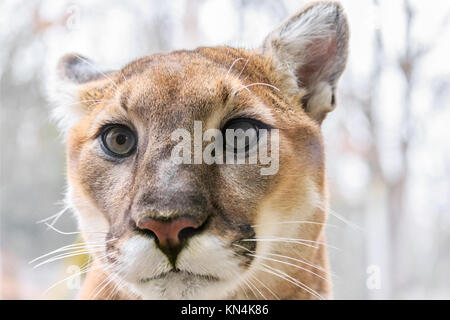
(225, 95)
(124, 101)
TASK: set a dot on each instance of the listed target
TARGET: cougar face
(158, 228)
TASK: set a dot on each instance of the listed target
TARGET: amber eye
(118, 141)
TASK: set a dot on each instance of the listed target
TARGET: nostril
(190, 231)
(187, 233)
(148, 233)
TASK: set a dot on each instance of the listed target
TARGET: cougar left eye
(118, 141)
(243, 135)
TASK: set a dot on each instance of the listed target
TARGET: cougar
(159, 228)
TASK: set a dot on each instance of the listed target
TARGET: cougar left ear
(312, 47)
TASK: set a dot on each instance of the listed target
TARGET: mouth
(180, 274)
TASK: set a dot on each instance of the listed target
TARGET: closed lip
(187, 274)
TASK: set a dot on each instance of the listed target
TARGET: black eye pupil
(246, 133)
(121, 139)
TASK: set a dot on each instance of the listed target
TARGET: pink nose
(170, 233)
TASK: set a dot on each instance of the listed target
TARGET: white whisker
(292, 240)
(256, 288)
(288, 258)
(110, 277)
(333, 213)
(243, 68)
(69, 233)
(116, 88)
(232, 65)
(290, 264)
(294, 222)
(74, 246)
(54, 217)
(67, 255)
(282, 241)
(290, 279)
(82, 271)
(259, 84)
(266, 287)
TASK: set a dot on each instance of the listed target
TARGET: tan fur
(157, 94)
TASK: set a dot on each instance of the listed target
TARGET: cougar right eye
(118, 141)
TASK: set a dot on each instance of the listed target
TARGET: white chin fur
(204, 255)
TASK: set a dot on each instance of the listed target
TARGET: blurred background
(388, 142)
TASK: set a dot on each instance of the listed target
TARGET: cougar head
(204, 227)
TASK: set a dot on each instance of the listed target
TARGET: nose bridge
(171, 191)
(168, 205)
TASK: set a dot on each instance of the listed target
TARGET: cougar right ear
(68, 89)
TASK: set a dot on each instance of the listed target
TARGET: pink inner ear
(318, 62)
